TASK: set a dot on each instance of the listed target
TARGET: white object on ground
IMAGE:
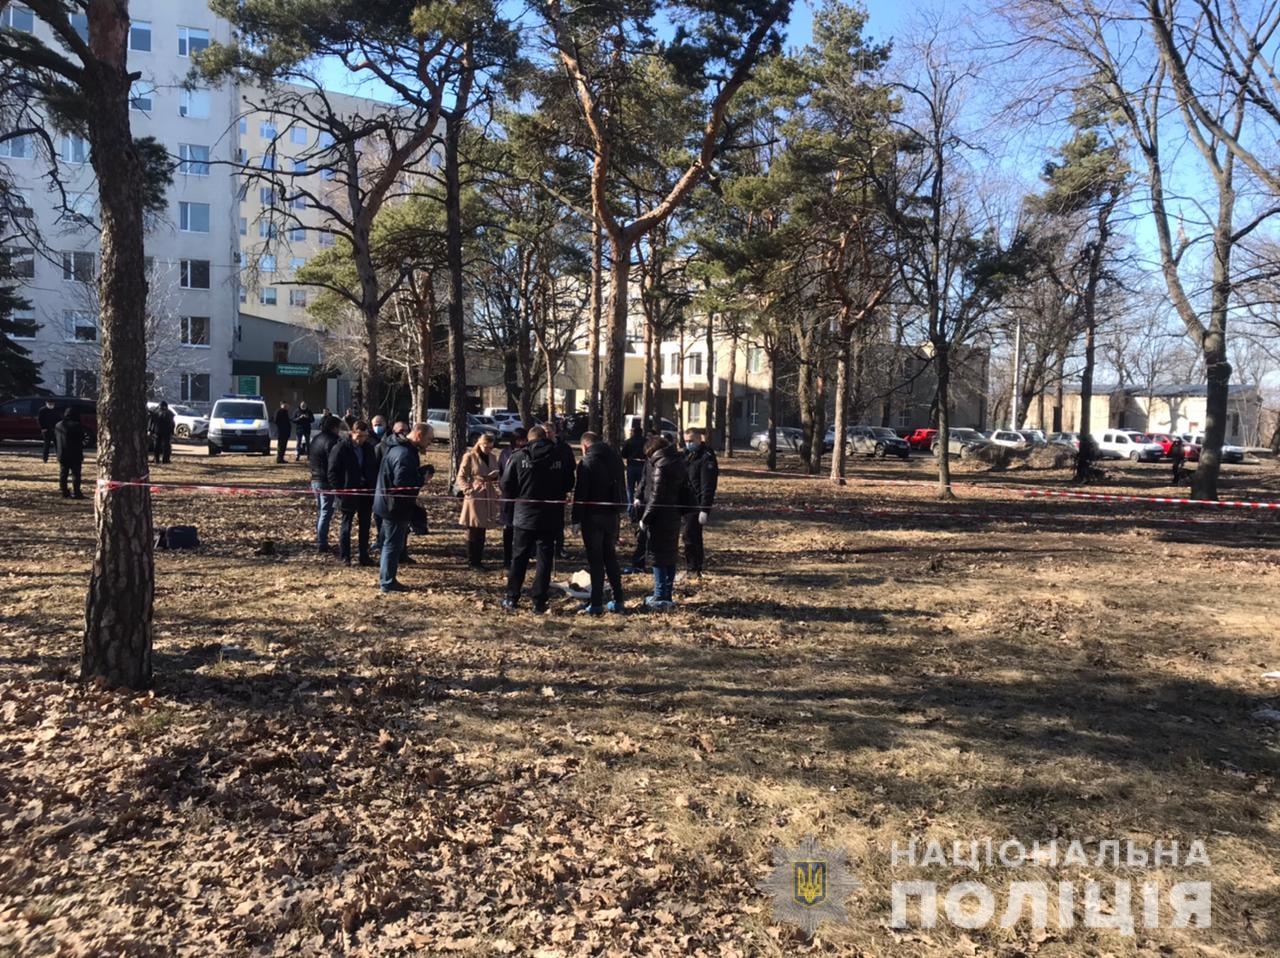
(1271, 675)
(1271, 716)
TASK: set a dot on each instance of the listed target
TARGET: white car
(1230, 453)
(506, 420)
(188, 423)
(631, 422)
(1009, 439)
(1127, 444)
(239, 424)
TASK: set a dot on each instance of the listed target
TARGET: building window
(267, 130)
(244, 226)
(194, 104)
(81, 382)
(327, 240)
(298, 203)
(297, 297)
(193, 217)
(267, 264)
(140, 96)
(693, 365)
(298, 135)
(194, 160)
(299, 166)
(78, 267)
(140, 36)
(244, 125)
(267, 296)
(266, 196)
(279, 352)
(82, 327)
(297, 262)
(21, 261)
(18, 18)
(81, 206)
(194, 330)
(297, 234)
(266, 230)
(192, 40)
(695, 413)
(193, 274)
(244, 295)
(24, 323)
(195, 387)
(75, 149)
(16, 147)
(268, 161)
(755, 361)
(753, 408)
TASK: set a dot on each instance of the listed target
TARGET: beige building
(1166, 408)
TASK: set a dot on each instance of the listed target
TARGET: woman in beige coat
(478, 482)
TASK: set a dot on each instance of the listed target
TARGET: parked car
(1069, 439)
(1126, 444)
(1034, 436)
(922, 438)
(667, 426)
(18, 421)
(239, 424)
(1230, 453)
(1190, 448)
(877, 441)
(961, 442)
(790, 439)
(506, 420)
(1009, 439)
(188, 423)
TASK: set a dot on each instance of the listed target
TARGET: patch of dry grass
(324, 769)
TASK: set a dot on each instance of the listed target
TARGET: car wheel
(935, 449)
(879, 450)
(1134, 457)
(849, 450)
(213, 450)
(183, 432)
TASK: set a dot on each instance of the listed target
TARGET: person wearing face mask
(704, 475)
(379, 424)
(478, 480)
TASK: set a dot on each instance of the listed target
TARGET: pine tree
(19, 374)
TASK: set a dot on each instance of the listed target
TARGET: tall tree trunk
(804, 393)
(453, 243)
(652, 373)
(844, 372)
(426, 347)
(597, 310)
(616, 342)
(727, 420)
(119, 605)
(771, 463)
(713, 398)
(942, 358)
(818, 441)
(679, 416)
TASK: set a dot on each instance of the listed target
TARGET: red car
(922, 438)
(1190, 451)
(18, 417)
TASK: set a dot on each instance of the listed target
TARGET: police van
(239, 424)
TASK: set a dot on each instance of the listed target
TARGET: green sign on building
(293, 369)
(246, 385)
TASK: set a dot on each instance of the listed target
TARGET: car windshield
(238, 410)
(964, 434)
(184, 410)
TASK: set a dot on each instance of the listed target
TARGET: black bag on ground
(177, 537)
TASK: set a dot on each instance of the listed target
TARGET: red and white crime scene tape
(1158, 500)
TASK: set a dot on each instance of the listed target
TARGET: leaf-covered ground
(323, 770)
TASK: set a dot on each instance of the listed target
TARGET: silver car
(790, 439)
(878, 441)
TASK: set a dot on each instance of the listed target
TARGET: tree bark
(426, 347)
(119, 605)
(713, 399)
(679, 416)
(597, 310)
(652, 376)
(942, 358)
(616, 342)
(844, 371)
(453, 244)
(771, 462)
(727, 421)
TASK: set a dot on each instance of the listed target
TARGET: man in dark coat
(704, 476)
(632, 453)
(302, 421)
(399, 429)
(538, 477)
(555, 434)
(353, 468)
(666, 495)
(399, 476)
(284, 427)
(69, 438)
(600, 479)
(1178, 456)
(47, 417)
(318, 455)
(162, 432)
(635, 493)
(519, 439)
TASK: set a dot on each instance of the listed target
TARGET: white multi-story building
(190, 248)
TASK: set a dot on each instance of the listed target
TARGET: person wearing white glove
(704, 475)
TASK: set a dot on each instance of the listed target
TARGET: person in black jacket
(284, 426)
(635, 492)
(519, 439)
(353, 468)
(399, 475)
(538, 477)
(666, 495)
(600, 479)
(302, 421)
(555, 434)
(69, 438)
(47, 417)
(318, 455)
(704, 476)
(162, 432)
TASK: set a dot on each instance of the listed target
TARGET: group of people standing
(374, 475)
(66, 437)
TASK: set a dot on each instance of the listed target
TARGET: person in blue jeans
(326, 502)
(400, 476)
